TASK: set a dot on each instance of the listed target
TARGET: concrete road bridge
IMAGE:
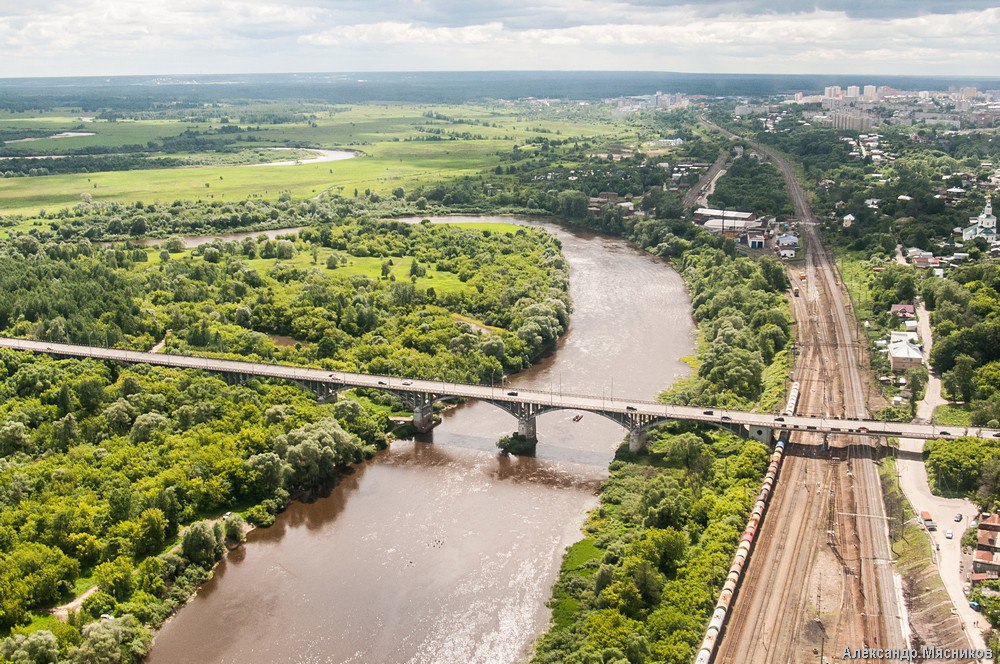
(524, 404)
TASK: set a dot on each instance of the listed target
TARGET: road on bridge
(643, 413)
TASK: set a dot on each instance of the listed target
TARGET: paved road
(916, 488)
(597, 404)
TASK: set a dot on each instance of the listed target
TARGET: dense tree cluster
(230, 298)
(752, 185)
(966, 325)
(103, 467)
(641, 586)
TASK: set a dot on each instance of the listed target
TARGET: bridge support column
(423, 416)
(636, 440)
(762, 434)
(526, 429)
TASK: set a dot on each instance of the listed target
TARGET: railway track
(820, 577)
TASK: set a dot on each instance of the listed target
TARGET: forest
(642, 584)
(116, 478)
(752, 185)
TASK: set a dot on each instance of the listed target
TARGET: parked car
(948, 534)
(958, 517)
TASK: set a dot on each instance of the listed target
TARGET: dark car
(632, 408)
(382, 382)
(779, 419)
(945, 433)
(727, 418)
(512, 394)
(708, 412)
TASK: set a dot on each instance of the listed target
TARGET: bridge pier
(526, 429)
(636, 440)
(423, 416)
(762, 434)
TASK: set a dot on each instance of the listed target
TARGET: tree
(234, 529)
(916, 379)
(115, 578)
(573, 204)
(119, 641)
(39, 647)
(200, 545)
(13, 437)
(959, 379)
(152, 530)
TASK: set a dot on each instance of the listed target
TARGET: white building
(984, 226)
(849, 220)
(731, 225)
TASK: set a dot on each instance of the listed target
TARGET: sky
(121, 37)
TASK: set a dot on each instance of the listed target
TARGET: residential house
(903, 310)
(903, 355)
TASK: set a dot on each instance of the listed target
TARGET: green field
(383, 134)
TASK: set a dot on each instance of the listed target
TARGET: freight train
(742, 556)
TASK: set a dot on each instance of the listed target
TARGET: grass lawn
(369, 266)
(574, 563)
(953, 414)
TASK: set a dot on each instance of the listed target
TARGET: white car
(948, 534)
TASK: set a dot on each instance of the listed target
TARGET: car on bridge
(631, 408)
(407, 382)
(512, 393)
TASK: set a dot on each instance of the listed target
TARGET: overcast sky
(108, 37)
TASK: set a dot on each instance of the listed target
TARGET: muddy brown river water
(440, 549)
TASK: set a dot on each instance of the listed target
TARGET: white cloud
(392, 32)
(65, 37)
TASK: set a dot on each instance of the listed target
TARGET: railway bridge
(525, 405)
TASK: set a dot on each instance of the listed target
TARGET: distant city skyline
(124, 37)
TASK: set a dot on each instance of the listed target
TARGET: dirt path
(62, 612)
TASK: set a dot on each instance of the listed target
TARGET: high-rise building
(853, 91)
(832, 92)
(871, 92)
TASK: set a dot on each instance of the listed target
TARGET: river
(440, 549)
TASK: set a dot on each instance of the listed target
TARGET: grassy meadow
(383, 135)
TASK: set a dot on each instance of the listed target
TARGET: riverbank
(451, 545)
